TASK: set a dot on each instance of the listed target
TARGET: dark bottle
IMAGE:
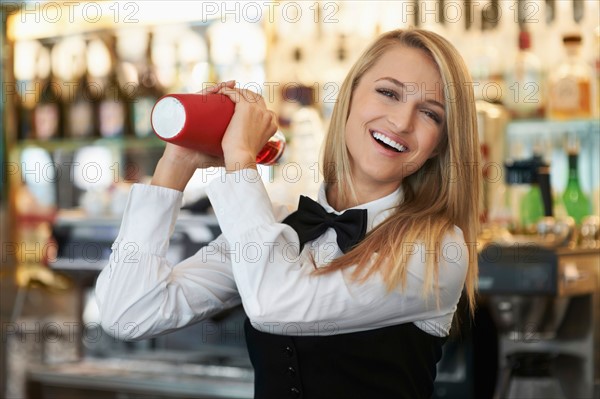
(25, 114)
(47, 110)
(147, 92)
(529, 192)
(112, 107)
(80, 110)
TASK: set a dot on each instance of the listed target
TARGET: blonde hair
(444, 192)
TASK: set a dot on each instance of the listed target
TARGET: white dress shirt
(255, 262)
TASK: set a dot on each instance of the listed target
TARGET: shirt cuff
(149, 218)
(240, 201)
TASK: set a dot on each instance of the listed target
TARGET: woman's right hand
(177, 164)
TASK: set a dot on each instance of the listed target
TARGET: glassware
(530, 198)
(47, 112)
(147, 92)
(80, 113)
(590, 232)
(531, 208)
(112, 110)
(571, 84)
(199, 121)
(524, 82)
(576, 203)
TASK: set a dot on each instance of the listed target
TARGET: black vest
(391, 362)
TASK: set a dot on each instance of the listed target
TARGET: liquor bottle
(532, 203)
(25, 114)
(484, 60)
(47, 111)
(80, 110)
(147, 92)
(531, 208)
(297, 83)
(576, 203)
(570, 84)
(596, 63)
(112, 108)
(334, 77)
(307, 133)
(524, 95)
(31, 66)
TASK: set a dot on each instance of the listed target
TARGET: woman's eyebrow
(403, 87)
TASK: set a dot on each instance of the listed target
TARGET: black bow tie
(310, 221)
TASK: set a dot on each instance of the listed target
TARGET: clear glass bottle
(484, 60)
(597, 72)
(524, 82)
(112, 109)
(306, 136)
(147, 92)
(80, 111)
(334, 77)
(571, 84)
(47, 111)
(576, 202)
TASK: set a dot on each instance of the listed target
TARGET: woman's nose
(402, 117)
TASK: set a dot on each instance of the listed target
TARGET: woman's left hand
(249, 130)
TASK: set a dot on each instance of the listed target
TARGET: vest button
(289, 352)
(291, 371)
(294, 392)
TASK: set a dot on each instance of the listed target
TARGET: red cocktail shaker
(199, 121)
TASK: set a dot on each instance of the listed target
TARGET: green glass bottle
(532, 209)
(577, 204)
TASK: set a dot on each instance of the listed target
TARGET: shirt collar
(377, 210)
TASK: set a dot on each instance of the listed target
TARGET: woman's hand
(177, 164)
(249, 130)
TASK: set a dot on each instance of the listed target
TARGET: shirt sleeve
(139, 293)
(280, 293)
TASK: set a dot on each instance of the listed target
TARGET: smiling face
(396, 120)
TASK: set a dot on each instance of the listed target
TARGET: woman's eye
(433, 116)
(388, 93)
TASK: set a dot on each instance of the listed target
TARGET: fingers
(231, 93)
(273, 125)
(236, 95)
(214, 89)
(268, 118)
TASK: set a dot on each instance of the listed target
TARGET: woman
(331, 314)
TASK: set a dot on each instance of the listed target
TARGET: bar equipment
(543, 302)
(539, 280)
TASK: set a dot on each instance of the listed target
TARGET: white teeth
(388, 141)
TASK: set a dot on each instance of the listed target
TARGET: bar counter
(129, 378)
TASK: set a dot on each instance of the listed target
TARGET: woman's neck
(363, 195)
